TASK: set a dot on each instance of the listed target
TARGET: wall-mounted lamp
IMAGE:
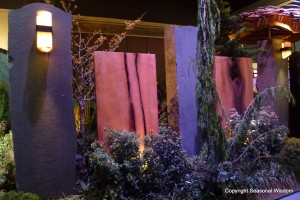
(286, 49)
(44, 31)
(254, 65)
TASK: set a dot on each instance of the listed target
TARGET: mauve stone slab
(126, 92)
(273, 72)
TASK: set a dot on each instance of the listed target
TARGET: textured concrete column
(273, 71)
(41, 105)
(180, 54)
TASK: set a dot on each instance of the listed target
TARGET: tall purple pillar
(43, 124)
(180, 54)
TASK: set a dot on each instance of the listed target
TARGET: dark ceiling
(182, 12)
(164, 11)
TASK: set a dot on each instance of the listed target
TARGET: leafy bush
(122, 145)
(2, 127)
(106, 176)
(165, 164)
(3, 103)
(116, 166)
(7, 166)
(251, 162)
(252, 151)
(13, 195)
(163, 171)
(290, 155)
(261, 138)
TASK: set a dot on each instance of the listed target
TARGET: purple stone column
(180, 54)
(43, 124)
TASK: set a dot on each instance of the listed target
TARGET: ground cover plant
(13, 195)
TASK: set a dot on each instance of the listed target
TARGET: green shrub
(116, 166)
(122, 145)
(251, 156)
(4, 107)
(7, 165)
(13, 195)
(106, 176)
(261, 138)
(164, 163)
(163, 171)
(290, 155)
(2, 127)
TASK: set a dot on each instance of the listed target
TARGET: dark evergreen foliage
(4, 107)
(209, 123)
(290, 155)
(162, 171)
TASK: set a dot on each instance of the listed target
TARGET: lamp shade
(44, 31)
(286, 49)
(254, 66)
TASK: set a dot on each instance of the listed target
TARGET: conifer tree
(209, 123)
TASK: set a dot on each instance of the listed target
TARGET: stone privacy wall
(126, 92)
(272, 72)
(234, 92)
(41, 104)
(180, 54)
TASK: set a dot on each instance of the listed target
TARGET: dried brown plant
(118, 38)
(83, 47)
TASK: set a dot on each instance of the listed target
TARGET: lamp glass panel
(43, 18)
(44, 41)
(286, 53)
